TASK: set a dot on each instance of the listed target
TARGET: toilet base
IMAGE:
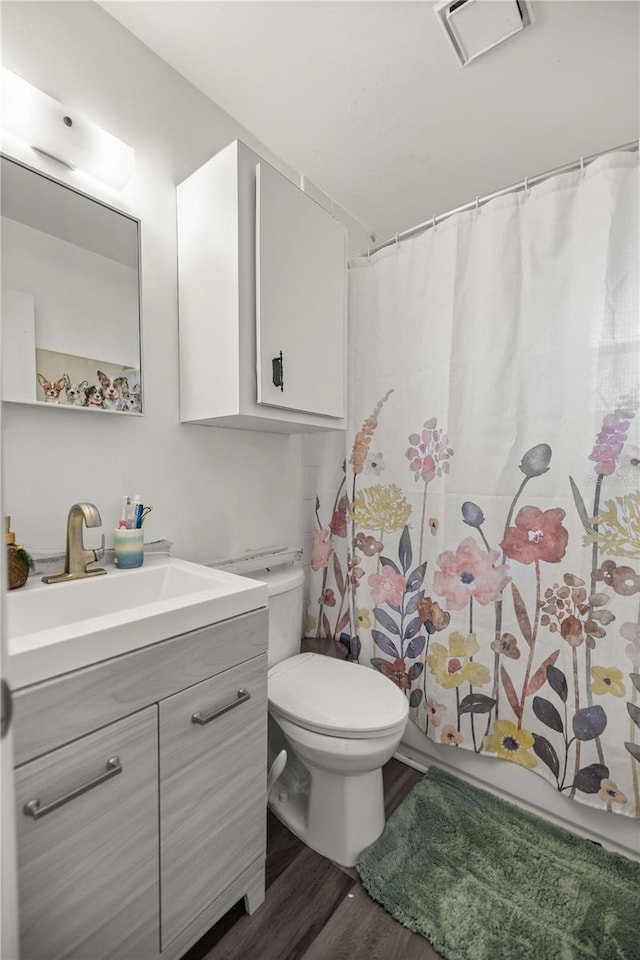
(337, 816)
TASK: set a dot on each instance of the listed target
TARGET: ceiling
(368, 100)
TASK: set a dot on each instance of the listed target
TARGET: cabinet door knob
(278, 371)
(201, 718)
(34, 810)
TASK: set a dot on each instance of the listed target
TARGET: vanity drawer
(114, 688)
(88, 845)
(213, 755)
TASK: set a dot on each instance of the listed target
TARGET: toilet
(338, 722)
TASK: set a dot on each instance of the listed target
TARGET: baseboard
(420, 760)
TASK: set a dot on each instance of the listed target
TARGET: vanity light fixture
(476, 26)
(62, 134)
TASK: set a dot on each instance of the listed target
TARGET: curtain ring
(397, 241)
(477, 204)
(526, 186)
(582, 169)
(369, 254)
(434, 223)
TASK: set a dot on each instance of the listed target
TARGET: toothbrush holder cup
(128, 548)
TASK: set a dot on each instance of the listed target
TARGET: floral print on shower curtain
(481, 547)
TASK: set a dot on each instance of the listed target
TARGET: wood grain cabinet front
(87, 820)
(212, 790)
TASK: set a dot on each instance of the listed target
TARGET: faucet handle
(99, 551)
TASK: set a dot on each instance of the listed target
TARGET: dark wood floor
(314, 909)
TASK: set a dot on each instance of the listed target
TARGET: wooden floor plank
(315, 909)
(298, 905)
(282, 848)
(398, 779)
(361, 930)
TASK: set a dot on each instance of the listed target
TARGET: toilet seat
(335, 697)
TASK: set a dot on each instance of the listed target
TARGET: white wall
(216, 491)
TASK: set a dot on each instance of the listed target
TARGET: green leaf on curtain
(386, 645)
(414, 626)
(635, 680)
(589, 722)
(476, 703)
(414, 602)
(510, 691)
(521, 614)
(386, 621)
(415, 578)
(580, 507)
(337, 572)
(634, 750)
(344, 620)
(414, 648)
(540, 676)
(634, 713)
(415, 698)
(547, 714)
(415, 670)
(558, 682)
(404, 550)
(386, 562)
(546, 752)
(588, 779)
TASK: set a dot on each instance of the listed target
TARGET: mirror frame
(138, 224)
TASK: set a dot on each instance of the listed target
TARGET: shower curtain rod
(513, 188)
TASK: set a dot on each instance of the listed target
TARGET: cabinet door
(88, 859)
(300, 298)
(212, 789)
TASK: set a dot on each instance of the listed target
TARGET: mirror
(70, 297)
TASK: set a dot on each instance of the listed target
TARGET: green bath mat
(483, 880)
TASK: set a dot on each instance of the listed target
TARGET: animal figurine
(112, 390)
(93, 397)
(74, 394)
(53, 388)
(131, 399)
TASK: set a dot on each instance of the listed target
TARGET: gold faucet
(78, 558)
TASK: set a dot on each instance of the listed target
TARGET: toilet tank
(285, 588)
(279, 568)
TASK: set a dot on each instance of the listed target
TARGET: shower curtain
(480, 543)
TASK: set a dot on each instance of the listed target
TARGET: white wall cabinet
(262, 276)
(141, 796)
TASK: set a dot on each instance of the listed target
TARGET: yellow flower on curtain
(509, 743)
(381, 507)
(363, 620)
(617, 527)
(607, 680)
(452, 666)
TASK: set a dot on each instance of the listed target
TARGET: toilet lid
(335, 696)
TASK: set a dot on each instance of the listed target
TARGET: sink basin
(55, 628)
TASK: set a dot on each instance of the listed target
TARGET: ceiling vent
(476, 26)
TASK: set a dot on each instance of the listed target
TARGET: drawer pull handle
(33, 808)
(241, 697)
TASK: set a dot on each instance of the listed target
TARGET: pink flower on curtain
(322, 548)
(436, 711)
(470, 572)
(429, 454)
(387, 587)
(612, 437)
(537, 535)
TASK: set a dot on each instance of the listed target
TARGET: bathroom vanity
(141, 793)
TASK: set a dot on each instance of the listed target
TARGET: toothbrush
(123, 513)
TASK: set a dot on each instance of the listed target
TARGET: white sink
(55, 628)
